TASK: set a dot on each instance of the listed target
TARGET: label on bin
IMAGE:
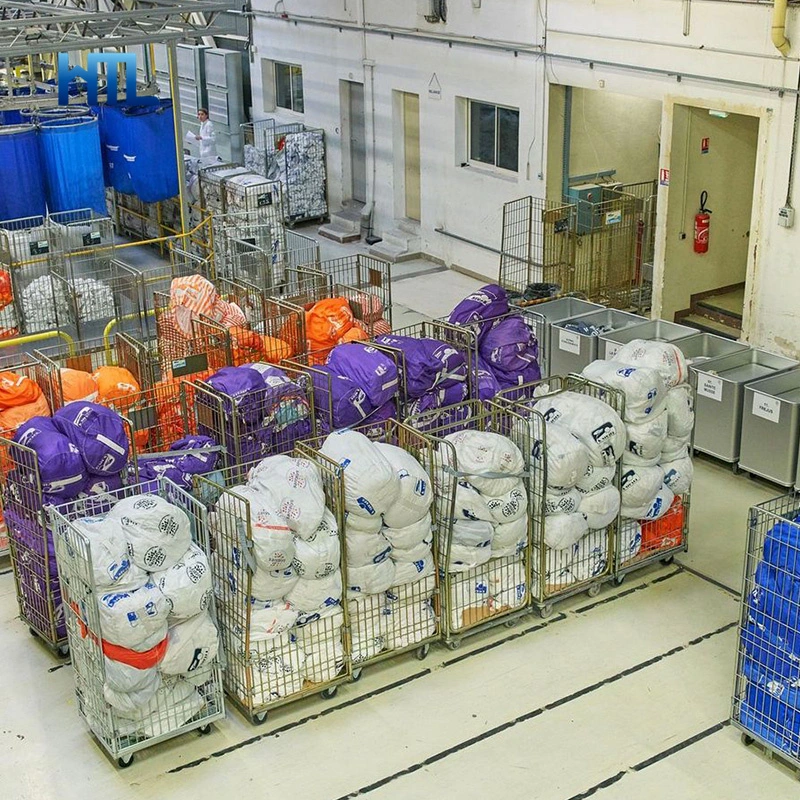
(709, 386)
(766, 407)
(612, 348)
(569, 342)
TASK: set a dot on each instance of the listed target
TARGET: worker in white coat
(206, 138)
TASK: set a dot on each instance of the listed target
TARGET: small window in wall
(494, 135)
(289, 87)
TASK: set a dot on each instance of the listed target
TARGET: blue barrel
(22, 187)
(73, 165)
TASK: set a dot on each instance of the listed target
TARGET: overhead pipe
(779, 27)
(567, 143)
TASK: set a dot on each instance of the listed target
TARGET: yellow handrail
(38, 337)
(113, 323)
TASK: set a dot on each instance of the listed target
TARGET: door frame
(345, 137)
(757, 220)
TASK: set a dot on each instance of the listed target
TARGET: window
(494, 135)
(289, 87)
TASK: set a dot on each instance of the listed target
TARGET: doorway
(411, 159)
(354, 128)
(713, 153)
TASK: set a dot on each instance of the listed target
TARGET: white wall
(616, 46)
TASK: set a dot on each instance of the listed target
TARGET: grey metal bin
(719, 398)
(571, 351)
(657, 330)
(703, 347)
(547, 314)
(771, 427)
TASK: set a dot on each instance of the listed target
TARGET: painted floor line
(472, 741)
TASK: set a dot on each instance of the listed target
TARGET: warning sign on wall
(704, 145)
(663, 178)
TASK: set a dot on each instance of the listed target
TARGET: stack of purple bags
(261, 412)
(79, 452)
(435, 381)
(508, 351)
(189, 456)
(358, 385)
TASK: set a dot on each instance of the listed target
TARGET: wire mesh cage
(189, 347)
(264, 421)
(402, 617)
(765, 704)
(295, 155)
(569, 555)
(27, 247)
(81, 271)
(256, 228)
(366, 282)
(56, 362)
(605, 242)
(484, 562)
(211, 178)
(182, 702)
(277, 650)
(251, 192)
(538, 248)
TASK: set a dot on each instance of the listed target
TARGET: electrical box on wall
(786, 217)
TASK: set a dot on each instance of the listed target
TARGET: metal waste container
(771, 427)
(573, 345)
(656, 330)
(704, 346)
(719, 398)
(547, 314)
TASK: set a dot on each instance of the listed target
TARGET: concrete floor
(624, 696)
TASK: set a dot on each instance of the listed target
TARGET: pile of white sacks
(659, 417)
(584, 438)
(486, 553)
(388, 530)
(46, 304)
(154, 589)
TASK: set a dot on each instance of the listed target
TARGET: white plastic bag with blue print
(492, 463)
(413, 571)
(590, 556)
(411, 536)
(312, 595)
(112, 566)
(562, 531)
(416, 488)
(128, 689)
(643, 387)
(601, 508)
(640, 485)
(510, 538)
(320, 555)
(680, 411)
(629, 540)
(595, 479)
(295, 489)
(646, 440)
(409, 592)
(557, 569)
(415, 553)
(273, 584)
(188, 586)
(371, 624)
(470, 504)
(175, 702)
(654, 510)
(192, 646)
(562, 453)
(370, 579)
(557, 502)
(414, 622)
(678, 475)
(371, 484)
(364, 549)
(321, 641)
(269, 620)
(511, 586)
(509, 506)
(469, 594)
(136, 619)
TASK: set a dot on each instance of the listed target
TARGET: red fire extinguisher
(702, 223)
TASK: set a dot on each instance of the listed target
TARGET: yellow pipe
(779, 27)
(38, 337)
(164, 238)
(113, 323)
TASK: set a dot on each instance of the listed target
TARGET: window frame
(291, 76)
(486, 164)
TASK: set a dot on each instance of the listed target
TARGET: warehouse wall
(633, 49)
(727, 173)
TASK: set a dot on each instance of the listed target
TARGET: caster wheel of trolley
(546, 611)
(260, 718)
(668, 560)
(747, 740)
(593, 590)
(329, 693)
(735, 468)
(619, 579)
(422, 652)
(125, 761)
(33, 633)
(511, 623)
(453, 644)
(357, 673)
(63, 650)
(205, 730)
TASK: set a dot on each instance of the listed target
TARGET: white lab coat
(208, 143)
